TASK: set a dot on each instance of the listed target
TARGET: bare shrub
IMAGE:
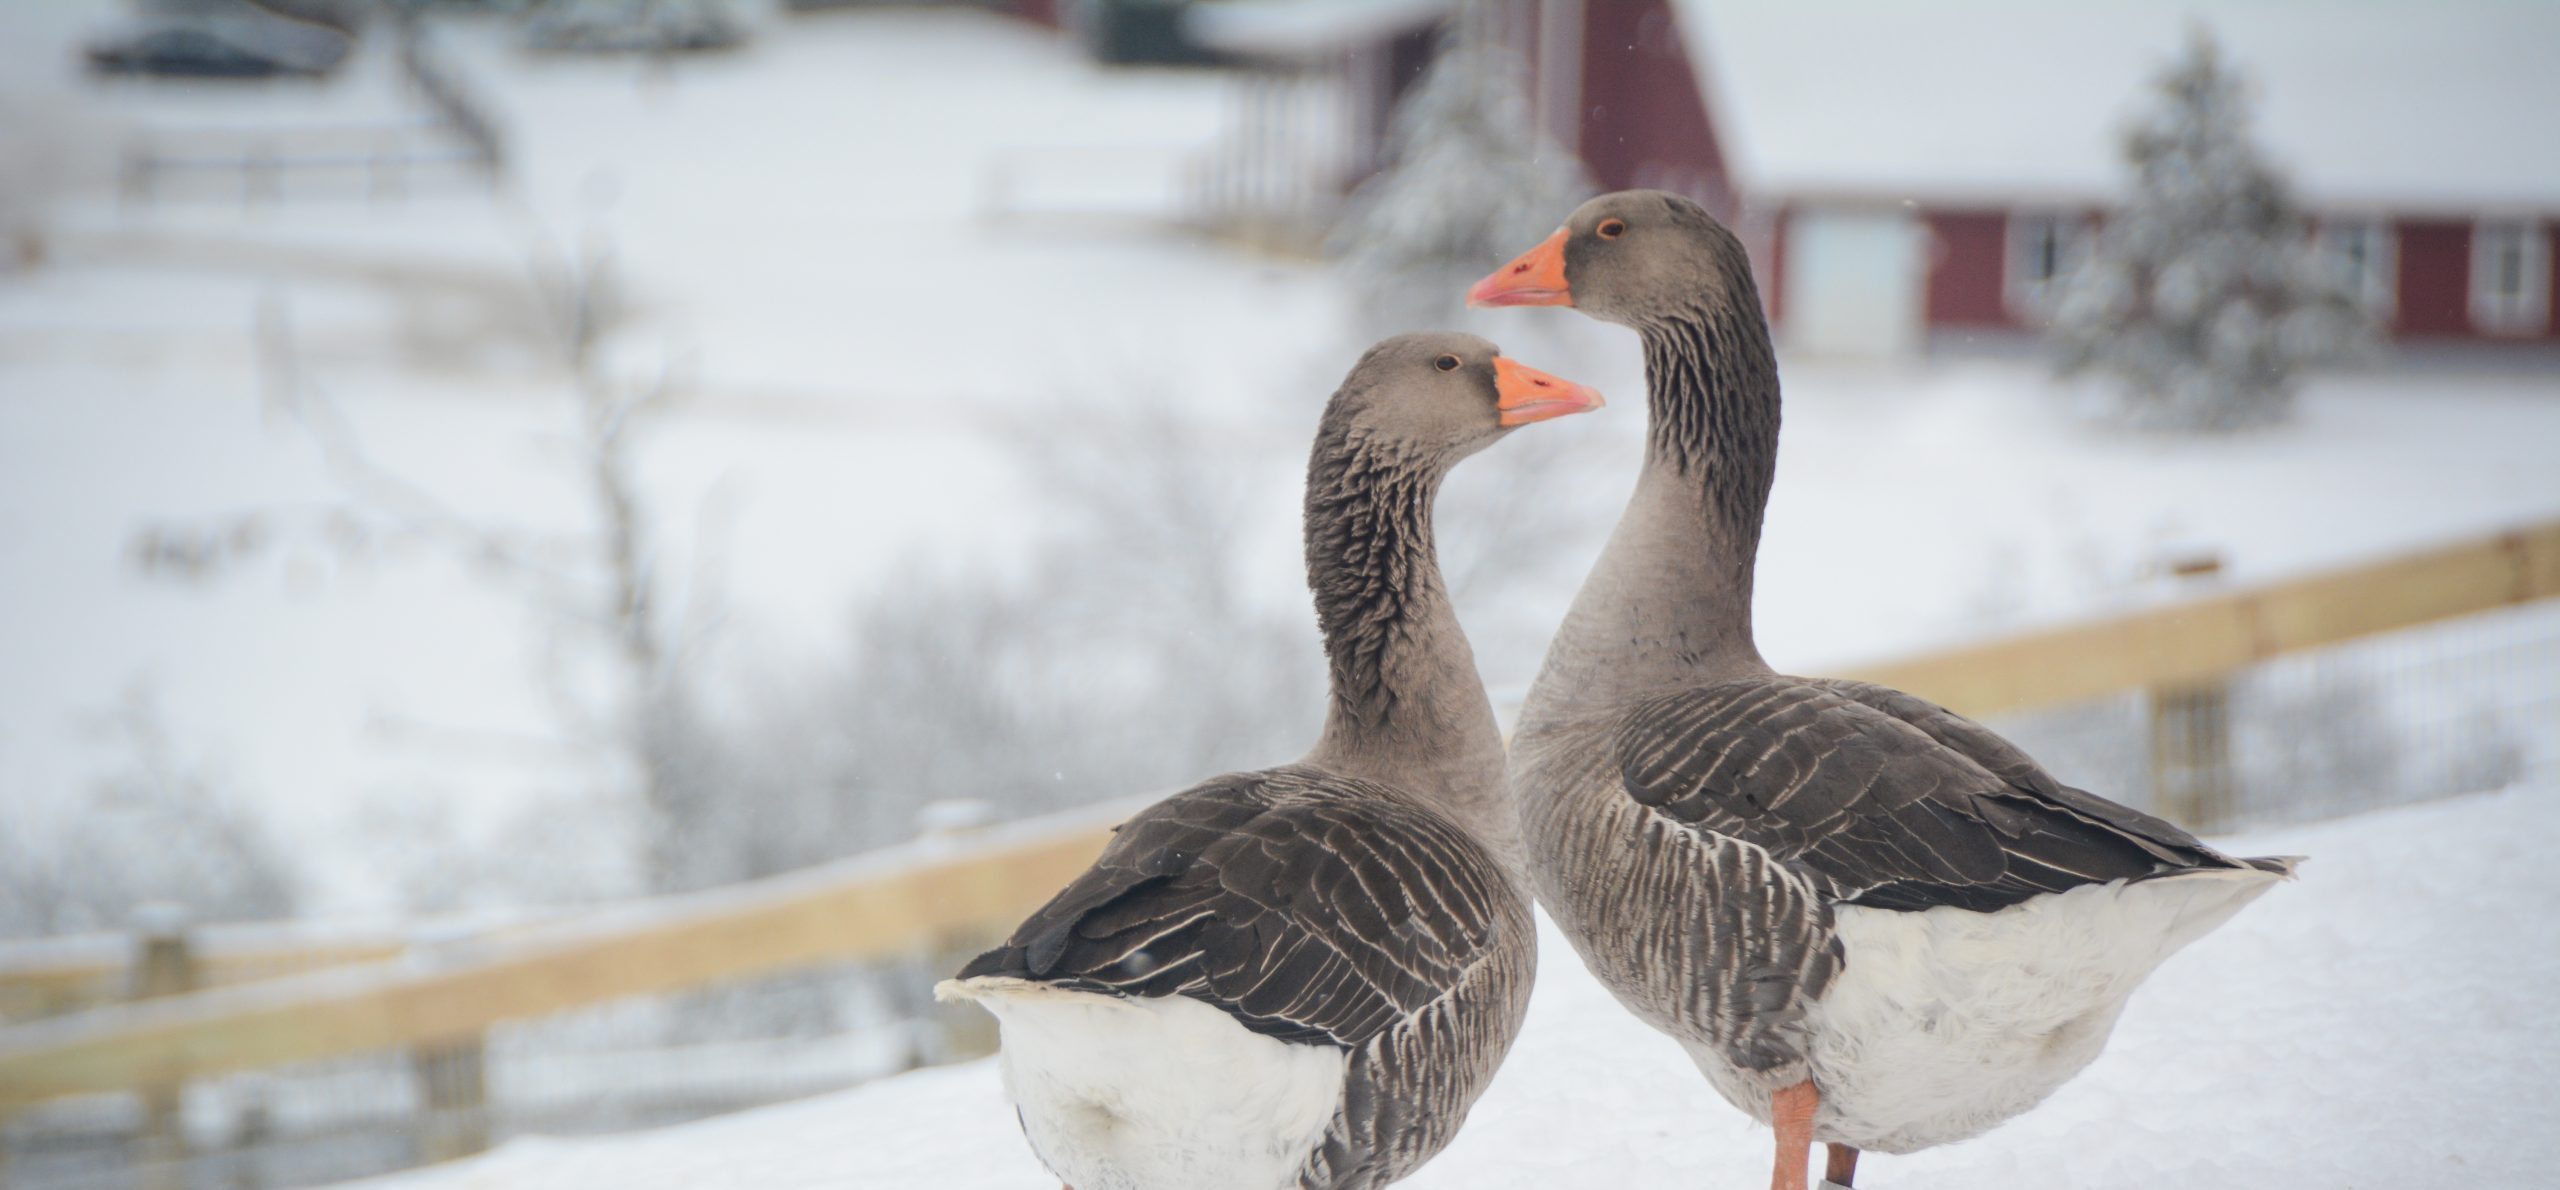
(1131, 650)
(158, 828)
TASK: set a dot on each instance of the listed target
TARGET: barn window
(2510, 277)
(2367, 260)
(2042, 247)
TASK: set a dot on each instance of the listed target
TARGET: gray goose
(1870, 921)
(1302, 977)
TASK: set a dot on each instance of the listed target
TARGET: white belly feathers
(1944, 1022)
(1159, 1092)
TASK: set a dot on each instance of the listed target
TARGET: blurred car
(1136, 32)
(221, 41)
(632, 27)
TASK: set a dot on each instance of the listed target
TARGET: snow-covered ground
(807, 228)
(884, 248)
(2381, 1023)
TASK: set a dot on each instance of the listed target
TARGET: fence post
(453, 1075)
(164, 964)
(955, 1032)
(251, 1129)
(454, 1078)
(2191, 755)
(2192, 780)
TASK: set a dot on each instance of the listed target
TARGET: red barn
(1910, 171)
(1916, 172)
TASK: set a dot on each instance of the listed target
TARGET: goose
(1302, 977)
(1869, 921)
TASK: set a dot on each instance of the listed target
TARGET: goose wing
(1310, 910)
(1894, 801)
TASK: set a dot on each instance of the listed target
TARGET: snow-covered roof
(2399, 105)
(1304, 28)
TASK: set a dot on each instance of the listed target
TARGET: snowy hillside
(2381, 1023)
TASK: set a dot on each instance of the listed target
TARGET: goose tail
(2281, 865)
(977, 989)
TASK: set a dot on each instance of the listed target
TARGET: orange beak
(1536, 278)
(1528, 394)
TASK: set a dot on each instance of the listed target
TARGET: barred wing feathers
(1892, 800)
(1312, 907)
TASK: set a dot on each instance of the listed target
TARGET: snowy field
(864, 344)
(2384, 1022)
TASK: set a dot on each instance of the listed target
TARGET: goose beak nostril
(1525, 394)
(1536, 278)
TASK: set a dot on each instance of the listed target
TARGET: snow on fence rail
(437, 1001)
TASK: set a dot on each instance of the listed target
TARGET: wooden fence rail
(2200, 640)
(42, 977)
(911, 898)
(882, 904)
(51, 985)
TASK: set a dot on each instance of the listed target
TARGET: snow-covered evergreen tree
(1469, 181)
(2204, 294)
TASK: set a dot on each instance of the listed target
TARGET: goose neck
(1711, 392)
(1669, 602)
(1407, 707)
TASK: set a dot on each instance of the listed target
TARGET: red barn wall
(1644, 117)
(1968, 257)
(2434, 300)
(2551, 304)
(2434, 297)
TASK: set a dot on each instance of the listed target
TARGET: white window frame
(2030, 233)
(2374, 279)
(2496, 310)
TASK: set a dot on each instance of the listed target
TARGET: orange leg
(1841, 1166)
(1792, 1111)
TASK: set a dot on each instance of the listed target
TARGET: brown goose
(1869, 920)
(1302, 977)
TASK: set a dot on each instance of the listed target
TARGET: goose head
(1444, 396)
(1630, 257)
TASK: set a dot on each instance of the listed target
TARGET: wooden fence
(2206, 639)
(921, 897)
(46, 977)
(886, 903)
(51, 978)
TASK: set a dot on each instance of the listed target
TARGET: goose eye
(1611, 229)
(1446, 363)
